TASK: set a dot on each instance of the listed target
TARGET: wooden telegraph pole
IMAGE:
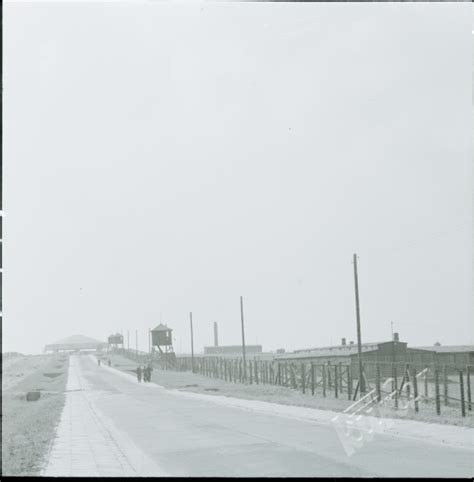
(136, 343)
(192, 341)
(243, 335)
(359, 342)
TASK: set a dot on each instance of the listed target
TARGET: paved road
(120, 427)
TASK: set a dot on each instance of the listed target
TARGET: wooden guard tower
(115, 340)
(162, 339)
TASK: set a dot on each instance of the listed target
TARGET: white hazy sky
(168, 158)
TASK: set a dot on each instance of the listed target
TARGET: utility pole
(393, 343)
(192, 341)
(136, 343)
(359, 342)
(243, 335)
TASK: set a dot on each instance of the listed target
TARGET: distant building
(232, 350)
(459, 355)
(76, 343)
(394, 351)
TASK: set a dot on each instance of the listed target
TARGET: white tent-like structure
(76, 343)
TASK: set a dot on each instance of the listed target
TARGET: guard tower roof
(161, 327)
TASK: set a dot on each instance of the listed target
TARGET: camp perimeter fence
(441, 389)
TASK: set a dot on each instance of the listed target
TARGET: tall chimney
(343, 341)
(395, 337)
(216, 342)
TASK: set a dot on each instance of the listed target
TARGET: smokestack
(343, 341)
(216, 341)
(395, 337)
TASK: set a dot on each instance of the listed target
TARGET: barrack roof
(77, 340)
(329, 351)
(448, 349)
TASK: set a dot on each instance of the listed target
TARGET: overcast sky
(168, 158)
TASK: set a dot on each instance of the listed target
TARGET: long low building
(394, 351)
(459, 355)
(232, 350)
(76, 343)
(389, 351)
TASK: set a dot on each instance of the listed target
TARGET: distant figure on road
(150, 369)
(109, 362)
(98, 362)
(147, 373)
(139, 373)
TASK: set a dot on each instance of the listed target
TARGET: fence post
(250, 372)
(461, 389)
(469, 406)
(256, 371)
(336, 381)
(445, 380)
(377, 381)
(438, 405)
(349, 382)
(415, 390)
(407, 370)
(324, 379)
(303, 387)
(340, 377)
(312, 378)
(425, 380)
(395, 383)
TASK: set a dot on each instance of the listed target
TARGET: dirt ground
(286, 396)
(28, 428)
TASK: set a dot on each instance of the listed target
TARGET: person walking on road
(139, 373)
(150, 369)
(98, 362)
(109, 362)
(148, 373)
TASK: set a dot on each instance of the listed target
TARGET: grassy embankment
(28, 428)
(286, 396)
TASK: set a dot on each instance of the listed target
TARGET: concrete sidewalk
(85, 444)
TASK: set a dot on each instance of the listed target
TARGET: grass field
(28, 428)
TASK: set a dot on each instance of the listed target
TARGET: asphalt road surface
(112, 425)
